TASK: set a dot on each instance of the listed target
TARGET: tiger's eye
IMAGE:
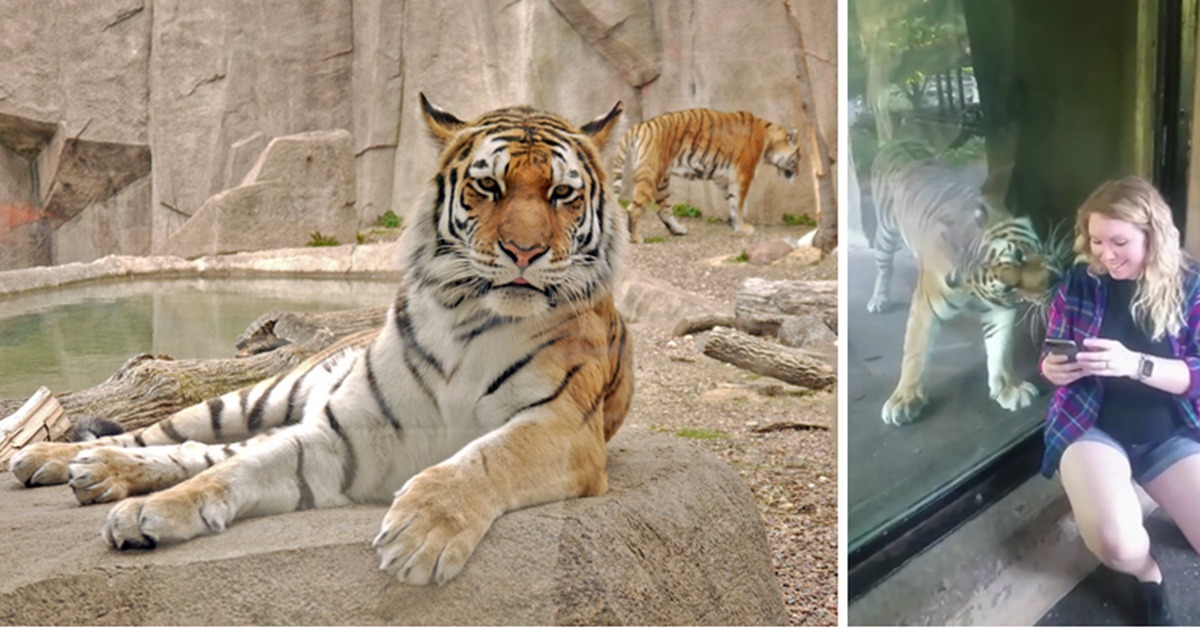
(488, 184)
(562, 191)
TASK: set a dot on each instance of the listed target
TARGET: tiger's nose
(523, 256)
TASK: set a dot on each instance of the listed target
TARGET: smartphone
(1063, 347)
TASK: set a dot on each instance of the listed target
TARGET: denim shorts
(1151, 459)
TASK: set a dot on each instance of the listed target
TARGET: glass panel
(977, 127)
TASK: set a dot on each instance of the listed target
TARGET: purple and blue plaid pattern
(1075, 314)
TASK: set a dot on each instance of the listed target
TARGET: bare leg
(1175, 490)
(1098, 482)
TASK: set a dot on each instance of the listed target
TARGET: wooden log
(701, 323)
(786, 364)
(761, 306)
(148, 388)
(40, 419)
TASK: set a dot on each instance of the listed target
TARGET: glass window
(976, 129)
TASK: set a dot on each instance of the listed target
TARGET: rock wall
(189, 94)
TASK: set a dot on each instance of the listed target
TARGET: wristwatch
(1145, 368)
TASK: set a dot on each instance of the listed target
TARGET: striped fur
(971, 256)
(725, 148)
(502, 370)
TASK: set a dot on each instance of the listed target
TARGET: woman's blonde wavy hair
(1158, 302)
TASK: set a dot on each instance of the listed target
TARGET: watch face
(1147, 368)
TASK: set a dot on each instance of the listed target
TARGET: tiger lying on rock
(725, 148)
(502, 370)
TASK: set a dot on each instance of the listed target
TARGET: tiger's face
(1018, 267)
(519, 220)
(783, 150)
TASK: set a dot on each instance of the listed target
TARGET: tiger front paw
(1015, 396)
(903, 407)
(430, 531)
(43, 463)
(171, 516)
(103, 475)
(878, 304)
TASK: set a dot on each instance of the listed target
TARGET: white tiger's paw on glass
(43, 463)
(163, 518)
(902, 407)
(1017, 396)
(423, 541)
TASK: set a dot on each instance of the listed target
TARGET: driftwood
(786, 364)
(703, 322)
(148, 388)
(762, 306)
(40, 419)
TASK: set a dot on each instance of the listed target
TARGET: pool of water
(76, 337)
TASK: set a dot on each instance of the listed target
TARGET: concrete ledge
(366, 259)
(1007, 566)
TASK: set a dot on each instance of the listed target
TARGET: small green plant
(654, 240)
(683, 210)
(389, 220)
(798, 220)
(740, 258)
(362, 239)
(624, 203)
(714, 220)
(317, 239)
(693, 433)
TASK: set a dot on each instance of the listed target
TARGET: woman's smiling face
(1118, 245)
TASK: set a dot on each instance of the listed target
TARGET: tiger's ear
(442, 124)
(793, 136)
(602, 127)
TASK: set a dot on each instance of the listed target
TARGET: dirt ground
(793, 473)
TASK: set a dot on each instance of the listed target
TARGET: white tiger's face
(783, 151)
(519, 220)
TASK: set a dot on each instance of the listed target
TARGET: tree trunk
(826, 237)
(762, 306)
(772, 360)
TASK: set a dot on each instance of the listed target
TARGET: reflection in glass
(976, 128)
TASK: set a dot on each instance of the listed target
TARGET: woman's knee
(1121, 545)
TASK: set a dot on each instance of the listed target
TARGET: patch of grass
(317, 239)
(798, 220)
(389, 220)
(362, 239)
(696, 433)
(714, 220)
(683, 210)
(740, 258)
(624, 203)
(654, 240)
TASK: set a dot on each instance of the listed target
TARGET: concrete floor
(1106, 597)
(892, 468)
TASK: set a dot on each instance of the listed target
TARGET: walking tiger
(725, 148)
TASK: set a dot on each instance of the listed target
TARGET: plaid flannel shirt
(1075, 314)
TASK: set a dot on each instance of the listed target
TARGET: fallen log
(762, 306)
(759, 356)
(701, 323)
(40, 419)
(148, 388)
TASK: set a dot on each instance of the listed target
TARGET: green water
(75, 338)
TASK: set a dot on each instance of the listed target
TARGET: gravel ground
(793, 473)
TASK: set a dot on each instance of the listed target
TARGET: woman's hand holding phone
(1060, 366)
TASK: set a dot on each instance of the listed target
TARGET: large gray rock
(302, 184)
(119, 225)
(206, 85)
(676, 541)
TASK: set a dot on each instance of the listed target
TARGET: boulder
(805, 331)
(301, 185)
(677, 540)
(768, 251)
